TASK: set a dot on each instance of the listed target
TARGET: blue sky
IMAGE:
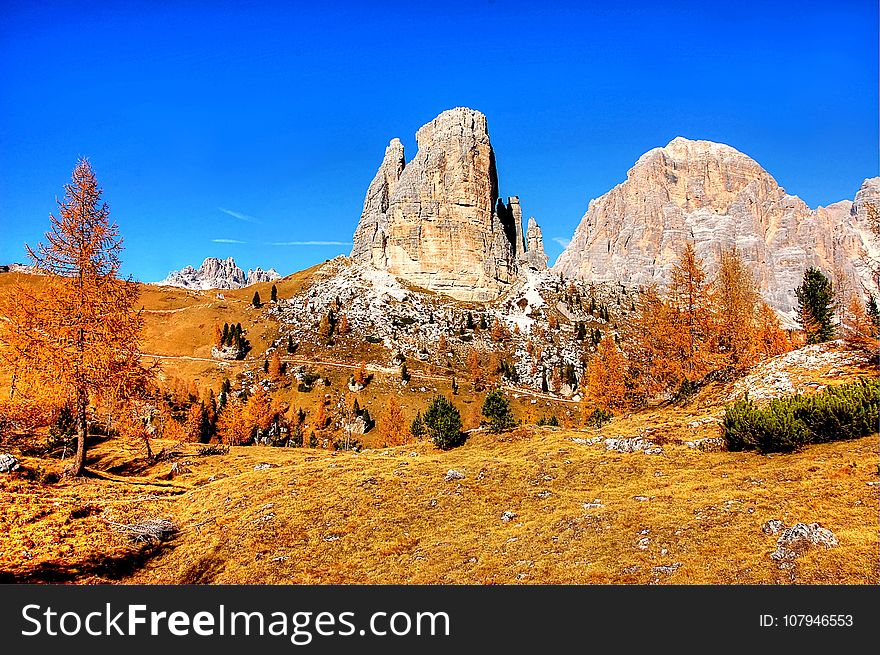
(252, 130)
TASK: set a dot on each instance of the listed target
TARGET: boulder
(8, 463)
(794, 541)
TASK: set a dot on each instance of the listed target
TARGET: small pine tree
(443, 423)
(225, 337)
(274, 295)
(454, 386)
(404, 373)
(256, 301)
(815, 298)
(291, 348)
(873, 312)
(417, 427)
(496, 409)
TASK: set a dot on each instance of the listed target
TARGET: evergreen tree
(290, 347)
(417, 427)
(443, 423)
(256, 301)
(815, 299)
(274, 296)
(225, 336)
(873, 312)
(496, 409)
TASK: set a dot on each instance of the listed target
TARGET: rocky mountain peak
(438, 221)
(720, 199)
(217, 274)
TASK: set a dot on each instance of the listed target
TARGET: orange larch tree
(736, 302)
(692, 317)
(81, 335)
(259, 412)
(392, 425)
(275, 366)
(232, 423)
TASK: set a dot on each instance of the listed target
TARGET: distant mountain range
(217, 274)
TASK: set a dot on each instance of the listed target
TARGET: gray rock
(632, 445)
(507, 516)
(452, 474)
(8, 463)
(794, 541)
(666, 570)
(773, 526)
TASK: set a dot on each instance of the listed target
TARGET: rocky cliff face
(438, 221)
(217, 274)
(718, 198)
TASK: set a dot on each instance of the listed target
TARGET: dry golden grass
(390, 517)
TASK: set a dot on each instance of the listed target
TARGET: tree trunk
(82, 430)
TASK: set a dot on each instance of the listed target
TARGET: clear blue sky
(263, 123)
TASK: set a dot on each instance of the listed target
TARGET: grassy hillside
(302, 515)
(390, 516)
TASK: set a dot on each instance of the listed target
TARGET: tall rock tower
(438, 221)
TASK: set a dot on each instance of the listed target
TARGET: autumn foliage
(392, 425)
(697, 327)
(78, 340)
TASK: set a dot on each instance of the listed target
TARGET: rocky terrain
(439, 221)
(720, 198)
(408, 322)
(217, 274)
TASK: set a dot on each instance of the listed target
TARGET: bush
(417, 427)
(496, 409)
(443, 424)
(599, 417)
(552, 421)
(847, 411)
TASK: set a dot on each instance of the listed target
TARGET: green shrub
(552, 421)
(847, 411)
(496, 409)
(599, 417)
(417, 427)
(443, 424)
